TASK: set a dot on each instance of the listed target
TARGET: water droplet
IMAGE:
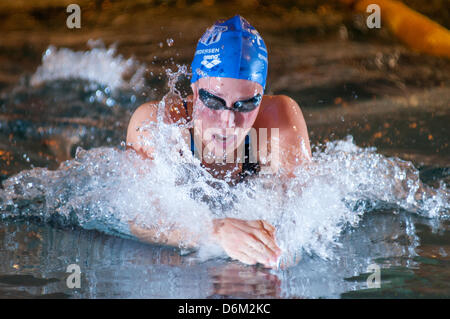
(110, 102)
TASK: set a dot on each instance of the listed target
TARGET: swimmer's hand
(249, 241)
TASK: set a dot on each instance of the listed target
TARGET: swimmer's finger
(271, 231)
(251, 252)
(259, 251)
(268, 227)
(246, 243)
(236, 246)
(258, 224)
(244, 257)
(262, 224)
(255, 225)
(259, 234)
(250, 248)
(268, 241)
(239, 254)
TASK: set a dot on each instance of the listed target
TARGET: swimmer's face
(223, 130)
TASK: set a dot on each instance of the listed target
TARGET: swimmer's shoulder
(277, 101)
(175, 109)
(283, 113)
(145, 113)
(278, 110)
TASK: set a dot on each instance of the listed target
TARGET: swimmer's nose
(227, 117)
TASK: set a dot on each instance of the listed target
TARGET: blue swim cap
(231, 49)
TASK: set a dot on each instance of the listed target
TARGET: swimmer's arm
(249, 241)
(163, 232)
(176, 237)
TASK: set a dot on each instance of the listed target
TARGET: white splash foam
(100, 64)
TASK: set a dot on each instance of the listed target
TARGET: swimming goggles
(216, 103)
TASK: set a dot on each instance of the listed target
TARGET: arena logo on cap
(210, 61)
(213, 35)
